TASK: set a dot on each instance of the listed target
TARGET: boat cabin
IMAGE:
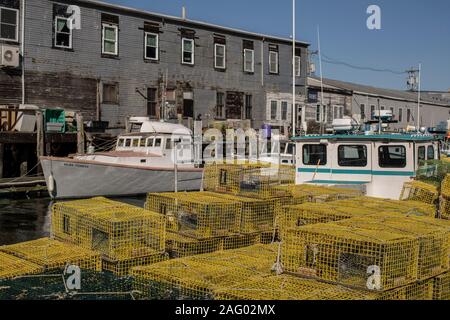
(379, 164)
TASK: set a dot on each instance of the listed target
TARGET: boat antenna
(293, 71)
(321, 112)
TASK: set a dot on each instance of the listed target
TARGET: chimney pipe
(183, 13)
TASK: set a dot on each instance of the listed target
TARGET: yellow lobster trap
(248, 180)
(118, 231)
(51, 254)
(359, 258)
(433, 258)
(12, 267)
(197, 215)
(420, 191)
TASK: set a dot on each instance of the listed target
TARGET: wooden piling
(2, 152)
(80, 134)
(40, 137)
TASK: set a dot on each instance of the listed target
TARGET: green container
(55, 120)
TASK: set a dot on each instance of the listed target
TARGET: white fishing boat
(155, 158)
(377, 163)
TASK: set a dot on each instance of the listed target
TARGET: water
(30, 219)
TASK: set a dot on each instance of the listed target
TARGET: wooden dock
(23, 187)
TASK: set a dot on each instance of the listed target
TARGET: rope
(26, 174)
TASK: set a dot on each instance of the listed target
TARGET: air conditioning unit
(10, 56)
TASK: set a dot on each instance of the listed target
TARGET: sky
(412, 32)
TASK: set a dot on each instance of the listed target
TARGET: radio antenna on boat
(323, 111)
(294, 44)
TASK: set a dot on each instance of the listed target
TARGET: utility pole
(294, 45)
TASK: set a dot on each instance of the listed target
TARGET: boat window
(430, 153)
(135, 143)
(128, 143)
(392, 156)
(352, 156)
(290, 148)
(168, 144)
(158, 142)
(421, 154)
(150, 142)
(315, 155)
(142, 143)
(121, 142)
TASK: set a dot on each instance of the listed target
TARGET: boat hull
(83, 179)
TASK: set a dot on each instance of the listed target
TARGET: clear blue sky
(413, 31)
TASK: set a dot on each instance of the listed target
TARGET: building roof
(189, 21)
(370, 137)
(380, 92)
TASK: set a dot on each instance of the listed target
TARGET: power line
(329, 60)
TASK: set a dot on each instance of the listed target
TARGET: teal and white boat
(377, 163)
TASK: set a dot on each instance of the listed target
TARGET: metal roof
(362, 137)
(380, 92)
(193, 22)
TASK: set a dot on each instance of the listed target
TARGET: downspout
(22, 49)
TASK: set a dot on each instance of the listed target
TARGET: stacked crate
(50, 254)
(433, 258)
(444, 201)
(420, 191)
(197, 277)
(12, 267)
(344, 255)
(248, 180)
(124, 235)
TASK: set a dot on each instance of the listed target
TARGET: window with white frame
(219, 56)
(273, 62)
(63, 33)
(298, 66)
(338, 112)
(9, 24)
(110, 42)
(284, 110)
(151, 46)
(188, 48)
(273, 110)
(249, 60)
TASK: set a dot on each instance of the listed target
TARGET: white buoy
(51, 184)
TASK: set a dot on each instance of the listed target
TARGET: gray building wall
(71, 78)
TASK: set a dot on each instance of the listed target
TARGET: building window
(324, 114)
(188, 108)
(249, 60)
(352, 156)
(220, 105)
(273, 59)
(219, 56)
(284, 110)
(151, 46)
(318, 113)
(362, 109)
(393, 113)
(110, 93)
(372, 112)
(273, 110)
(298, 66)
(408, 115)
(151, 102)
(400, 115)
(248, 106)
(315, 155)
(392, 156)
(63, 34)
(9, 24)
(338, 112)
(110, 43)
(188, 49)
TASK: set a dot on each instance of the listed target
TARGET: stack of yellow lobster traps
(444, 201)
(124, 235)
(254, 235)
